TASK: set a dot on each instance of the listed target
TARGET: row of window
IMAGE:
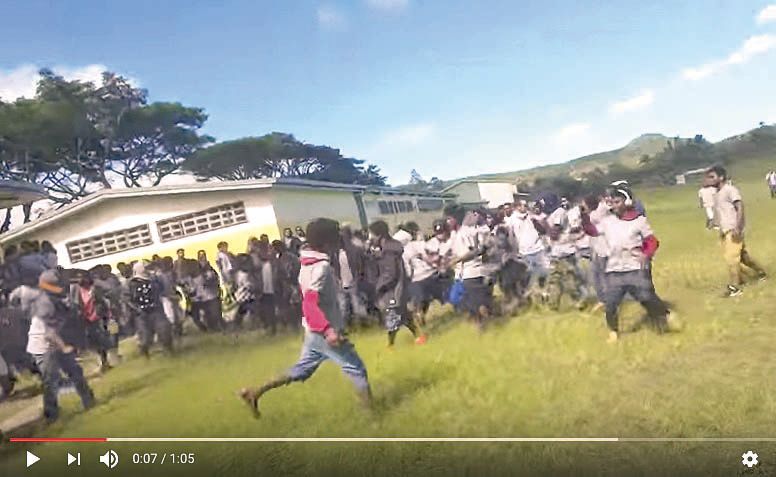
(395, 206)
(169, 229)
(200, 222)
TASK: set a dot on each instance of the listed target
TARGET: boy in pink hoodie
(323, 321)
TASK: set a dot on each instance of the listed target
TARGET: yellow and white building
(121, 225)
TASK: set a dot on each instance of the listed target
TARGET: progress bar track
(394, 439)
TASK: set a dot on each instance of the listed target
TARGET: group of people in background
(585, 253)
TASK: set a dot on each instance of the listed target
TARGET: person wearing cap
(731, 219)
(49, 311)
(439, 254)
(146, 293)
(423, 276)
(631, 245)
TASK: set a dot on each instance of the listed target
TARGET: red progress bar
(59, 439)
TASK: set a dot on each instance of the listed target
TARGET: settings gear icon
(749, 459)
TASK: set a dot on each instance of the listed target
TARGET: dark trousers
(152, 324)
(267, 313)
(50, 364)
(639, 284)
(208, 312)
(98, 339)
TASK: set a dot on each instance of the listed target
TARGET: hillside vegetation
(650, 160)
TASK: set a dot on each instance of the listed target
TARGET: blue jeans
(316, 350)
(50, 364)
(638, 284)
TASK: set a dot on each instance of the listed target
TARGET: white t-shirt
(564, 245)
(625, 240)
(529, 241)
(414, 260)
(707, 196)
(725, 214)
(598, 244)
(582, 241)
(467, 239)
(266, 278)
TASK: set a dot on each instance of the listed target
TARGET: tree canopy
(75, 137)
(279, 155)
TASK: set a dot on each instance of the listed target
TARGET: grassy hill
(537, 374)
(658, 152)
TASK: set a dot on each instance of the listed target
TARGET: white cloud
(388, 5)
(753, 46)
(330, 18)
(412, 135)
(571, 132)
(767, 14)
(21, 81)
(640, 101)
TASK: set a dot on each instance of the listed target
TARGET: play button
(31, 458)
(73, 459)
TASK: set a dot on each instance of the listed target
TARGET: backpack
(145, 296)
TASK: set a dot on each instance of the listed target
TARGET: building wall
(497, 193)
(297, 206)
(468, 192)
(120, 213)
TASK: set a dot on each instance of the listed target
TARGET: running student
(48, 310)
(631, 244)
(323, 321)
(391, 281)
(730, 218)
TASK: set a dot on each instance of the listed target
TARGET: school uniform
(564, 274)
(734, 249)
(478, 292)
(628, 238)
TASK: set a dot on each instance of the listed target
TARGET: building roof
(109, 194)
(478, 181)
(13, 193)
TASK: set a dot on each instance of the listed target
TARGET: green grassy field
(532, 375)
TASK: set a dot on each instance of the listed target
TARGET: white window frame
(109, 243)
(202, 221)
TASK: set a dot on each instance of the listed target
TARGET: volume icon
(110, 459)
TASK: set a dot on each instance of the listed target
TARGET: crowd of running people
(586, 253)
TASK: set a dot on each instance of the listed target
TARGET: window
(395, 206)
(203, 221)
(428, 205)
(385, 207)
(110, 243)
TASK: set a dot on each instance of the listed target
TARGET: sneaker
(613, 337)
(597, 307)
(762, 276)
(733, 291)
(420, 340)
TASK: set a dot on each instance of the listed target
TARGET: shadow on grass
(392, 391)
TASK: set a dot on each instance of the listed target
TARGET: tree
(75, 137)
(279, 155)
(416, 178)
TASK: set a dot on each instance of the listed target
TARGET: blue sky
(450, 88)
